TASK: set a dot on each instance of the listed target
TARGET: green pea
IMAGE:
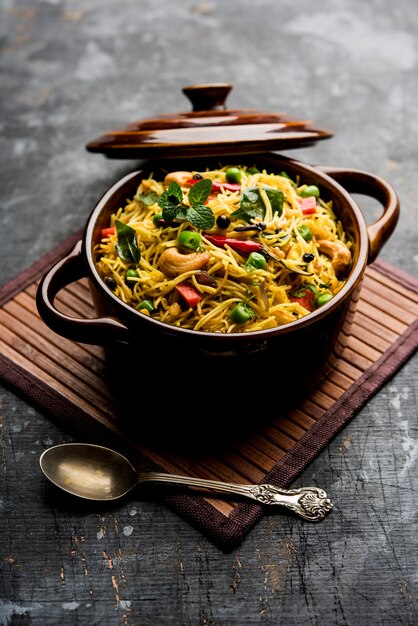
(323, 298)
(148, 305)
(309, 190)
(241, 313)
(305, 232)
(253, 170)
(233, 175)
(255, 261)
(131, 274)
(190, 239)
(158, 220)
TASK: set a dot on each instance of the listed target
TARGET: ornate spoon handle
(310, 503)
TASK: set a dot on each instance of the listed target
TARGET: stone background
(69, 71)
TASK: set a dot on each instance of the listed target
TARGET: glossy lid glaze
(210, 129)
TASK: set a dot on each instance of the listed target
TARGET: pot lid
(210, 129)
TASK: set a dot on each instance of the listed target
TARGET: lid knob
(208, 97)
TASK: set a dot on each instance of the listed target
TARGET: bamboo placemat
(68, 382)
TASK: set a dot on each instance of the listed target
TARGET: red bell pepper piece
(216, 187)
(189, 294)
(308, 205)
(245, 246)
(108, 232)
(307, 300)
(229, 186)
(211, 197)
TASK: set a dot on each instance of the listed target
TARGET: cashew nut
(178, 177)
(174, 309)
(174, 263)
(339, 253)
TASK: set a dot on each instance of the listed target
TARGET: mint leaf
(182, 212)
(199, 192)
(127, 246)
(170, 200)
(169, 213)
(147, 198)
(165, 202)
(252, 205)
(174, 192)
(171, 197)
(201, 216)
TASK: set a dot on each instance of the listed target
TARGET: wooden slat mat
(67, 381)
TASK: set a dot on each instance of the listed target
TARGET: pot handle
(97, 331)
(358, 181)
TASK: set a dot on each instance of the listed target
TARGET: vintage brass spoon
(98, 473)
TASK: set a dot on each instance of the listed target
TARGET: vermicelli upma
(228, 250)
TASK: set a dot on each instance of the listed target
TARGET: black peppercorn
(308, 257)
(197, 177)
(110, 282)
(223, 221)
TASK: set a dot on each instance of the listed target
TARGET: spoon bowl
(98, 473)
(89, 471)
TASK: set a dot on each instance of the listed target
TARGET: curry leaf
(127, 246)
(200, 191)
(252, 205)
(201, 216)
(276, 198)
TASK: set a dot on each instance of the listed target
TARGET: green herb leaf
(171, 197)
(305, 287)
(252, 205)
(199, 192)
(170, 200)
(147, 198)
(127, 246)
(201, 216)
(276, 198)
(312, 288)
(170, 212)
(198, 214)
(182, 211)
(175, 193)
(299, 293)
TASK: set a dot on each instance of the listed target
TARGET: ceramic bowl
(296, 353)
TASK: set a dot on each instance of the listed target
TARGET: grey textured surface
(70, 70)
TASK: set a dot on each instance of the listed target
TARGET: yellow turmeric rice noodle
(247, 250)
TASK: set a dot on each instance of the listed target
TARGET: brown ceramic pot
(293, 355)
